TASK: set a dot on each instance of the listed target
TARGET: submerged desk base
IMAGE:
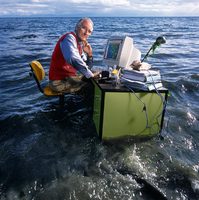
(119, 112)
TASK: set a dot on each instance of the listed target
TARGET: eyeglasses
(86, 30)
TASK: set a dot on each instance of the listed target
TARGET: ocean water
(46, 153)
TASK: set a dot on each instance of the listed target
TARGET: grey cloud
(98, 8)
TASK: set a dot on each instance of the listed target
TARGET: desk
(120, 112)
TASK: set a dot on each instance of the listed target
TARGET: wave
(25, 36)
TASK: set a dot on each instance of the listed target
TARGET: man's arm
(89, 62)
(71, 55)
(87, 49)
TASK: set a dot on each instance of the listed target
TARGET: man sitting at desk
(72, 58)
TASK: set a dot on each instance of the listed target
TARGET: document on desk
(141, 85)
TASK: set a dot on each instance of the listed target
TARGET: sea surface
(50, 154)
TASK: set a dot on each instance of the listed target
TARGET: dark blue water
(48, 154)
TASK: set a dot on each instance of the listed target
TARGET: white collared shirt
(71, 54)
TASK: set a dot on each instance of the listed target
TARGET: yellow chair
(37, 71)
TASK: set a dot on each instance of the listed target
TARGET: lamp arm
(147, 53)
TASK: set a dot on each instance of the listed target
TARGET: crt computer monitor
(121, 52)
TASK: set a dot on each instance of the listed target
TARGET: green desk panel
(119, 112)
(125, 114)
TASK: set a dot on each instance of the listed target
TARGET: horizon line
(35, 16)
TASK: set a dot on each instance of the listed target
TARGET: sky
(98, 8)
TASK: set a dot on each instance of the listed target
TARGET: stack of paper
(144, 80)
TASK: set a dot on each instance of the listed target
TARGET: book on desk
(145, 79)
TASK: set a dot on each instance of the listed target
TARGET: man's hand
(97, 74)
(87, 48)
